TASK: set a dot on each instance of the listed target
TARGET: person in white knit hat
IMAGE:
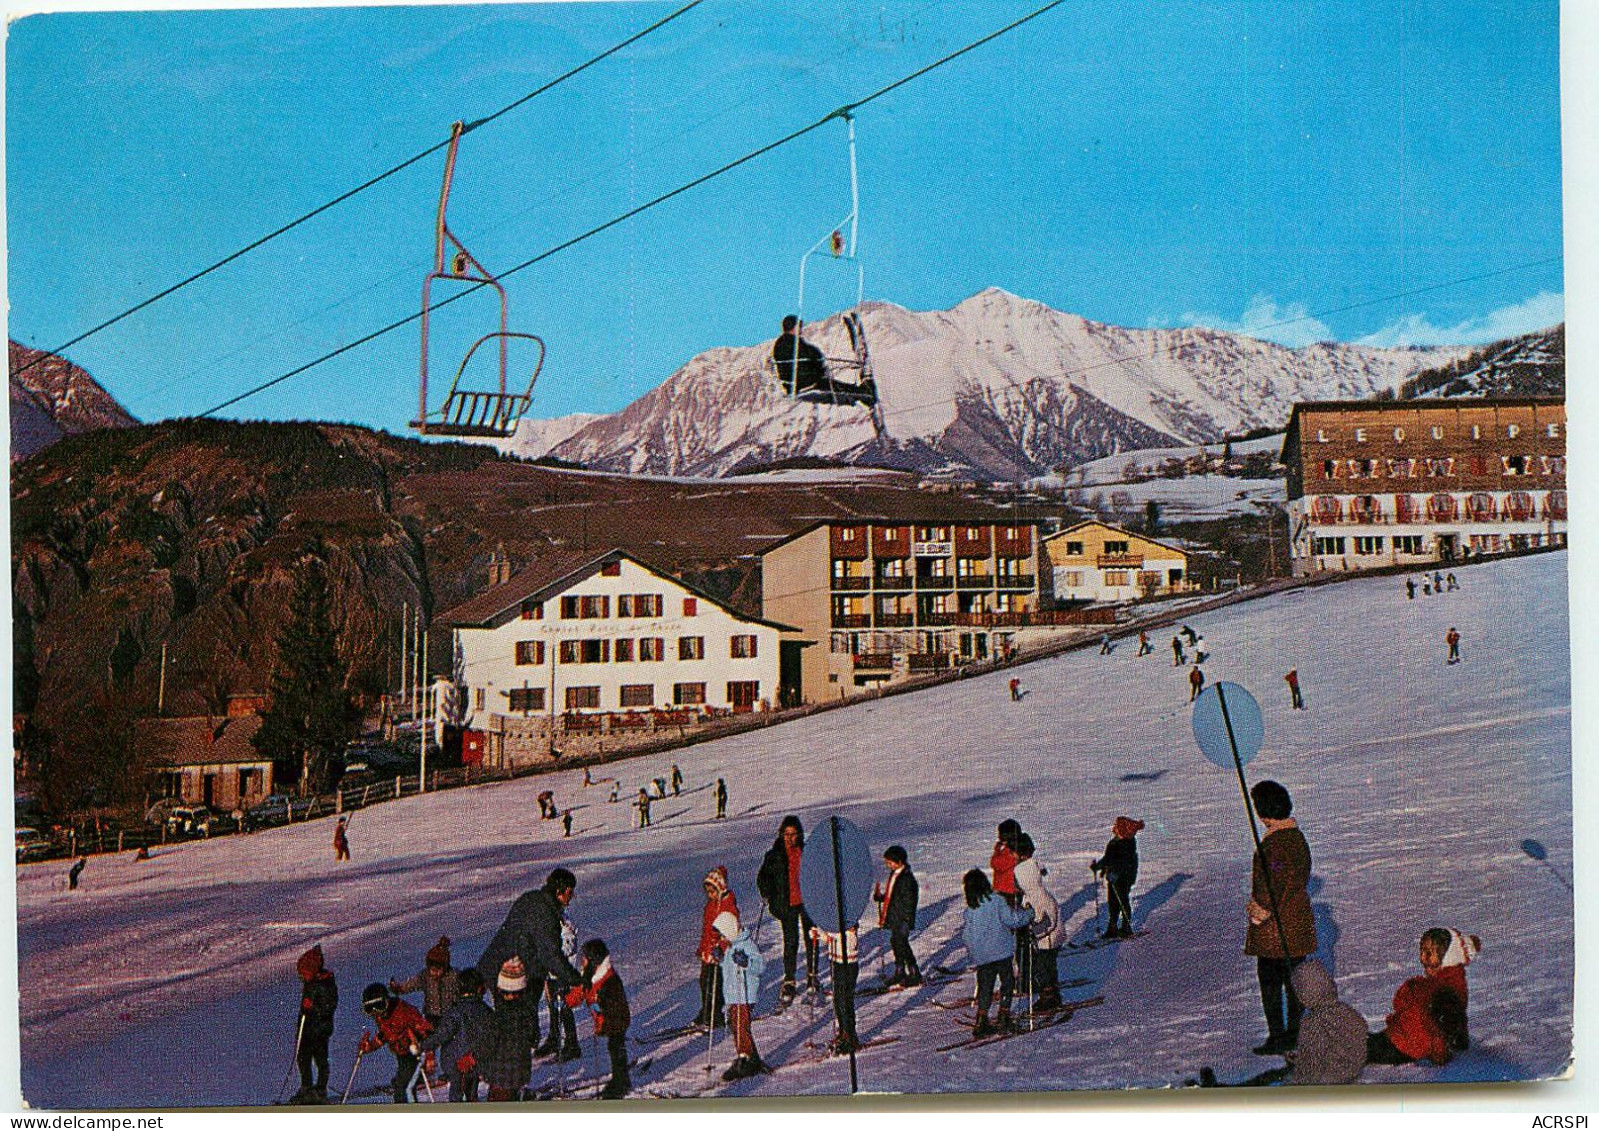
(1429, 1017)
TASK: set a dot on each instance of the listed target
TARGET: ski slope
(170, 982)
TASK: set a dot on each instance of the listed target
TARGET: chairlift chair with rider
(802, 371)
(467, 412)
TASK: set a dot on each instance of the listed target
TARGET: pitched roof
(199, 741)
(1118, 529)
(553, 574)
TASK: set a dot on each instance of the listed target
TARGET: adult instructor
(1282, 926)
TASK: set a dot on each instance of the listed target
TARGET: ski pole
(298, 1034)
(354, 1068)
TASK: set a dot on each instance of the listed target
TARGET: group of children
(475, 1043)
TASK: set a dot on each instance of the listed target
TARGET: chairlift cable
(340, 199)
(842, 111)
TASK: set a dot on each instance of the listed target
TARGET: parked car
(276, 809)
(32, 845)
(189, 820)
(160, 810)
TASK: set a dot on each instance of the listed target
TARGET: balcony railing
(935, 620)
(894, 584)
(852, 620)
(931, 582)
(1036, 618)
(1119, 561)
(982, 581)
(928, 661)
(851, 584)
(1017, 581)
(874, 660)
(894, 620)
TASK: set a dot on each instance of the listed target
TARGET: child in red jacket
(603, 992)
(718, 898)
(400, 1027)
(1429, 1017)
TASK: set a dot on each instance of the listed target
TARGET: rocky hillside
(52, 398)
(189, 533)
(1532, 365)
(997, 388)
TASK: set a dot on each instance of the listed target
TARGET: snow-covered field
(1190, 498)
(170, 982)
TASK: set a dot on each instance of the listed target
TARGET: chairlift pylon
(789, 366)
(469, 412)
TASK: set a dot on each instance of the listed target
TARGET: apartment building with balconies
(893, 598)
(1381, 483)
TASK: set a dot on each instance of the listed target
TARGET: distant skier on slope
(721, 799)
(341, 839)
(1196, 682)
(1177, 657)
(643, 807)
(1104, 644)
(1144, 646)
(1292, 679)
(1452, 638)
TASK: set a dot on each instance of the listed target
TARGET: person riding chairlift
(802, 367)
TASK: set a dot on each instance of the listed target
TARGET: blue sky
(1232, 164)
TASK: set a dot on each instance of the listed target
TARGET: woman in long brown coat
(1282, 926)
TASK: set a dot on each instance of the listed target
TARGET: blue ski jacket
(990, 929)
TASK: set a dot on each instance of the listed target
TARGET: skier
(1452, 638)
(660, 788)
(319, 997)
(1015, 690)
(458, 1036)
(588, 779)
(341, 839)
(532, 933)
(721, 799)
(1047, 933)
(400, 1027)
(1002, 861)
(1426, 589)
(1201, 652)
(741, 973)
(896, 910)
(677, 780)
(566, 823)
(562, 1040)
(989, 933)
(1437, 581)
(779, 884)
(1429, 1017)
(509, 1034)
(1104, 644)
(1119, 866)
(643, 806)
(1196, 682)
(437, 980)
(1410, 588)
(1177, 657)
(800, 365)
(1292, 679)
(718, 899)
(1282, 927)
(606, 997)
(616, 788)
(844, 953)
(1144, 646)
(547, 809)
(75, 871)
(1452, 584)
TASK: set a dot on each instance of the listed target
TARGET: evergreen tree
(307, 721)
(1151, 517)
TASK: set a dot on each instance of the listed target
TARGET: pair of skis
(1041, 1022)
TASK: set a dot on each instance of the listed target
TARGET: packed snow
(170, 982)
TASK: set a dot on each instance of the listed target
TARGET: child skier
(844, 953)
(677, 780)
(341, 839)
(741, 974)
(1047, 932)
(718, 899)
(436, 980)
(721, 798)
(400, 1027)
(319, 997)
(506, 1059)
(1196, 682)
(896, 910)
(989, 934)
(1429, 1017)
(1332, 1035)
(643, 804)
(606, 997)
(1003, 860)
(458, 1034)
(1120, 868)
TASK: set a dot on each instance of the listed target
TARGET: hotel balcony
(852, 620)
(875, 661)
(935, 583)
(894, 584)
(894, 620)
(928, 661)
(1119, 561)
(1019, 581)
(982, 581)
(851, 584)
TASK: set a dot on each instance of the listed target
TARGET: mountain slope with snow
(998, 387)
(1417, 784)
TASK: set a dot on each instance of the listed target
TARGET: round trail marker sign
(821, 884)
(1224, 707)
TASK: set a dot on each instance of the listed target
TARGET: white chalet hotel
(576, 634)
